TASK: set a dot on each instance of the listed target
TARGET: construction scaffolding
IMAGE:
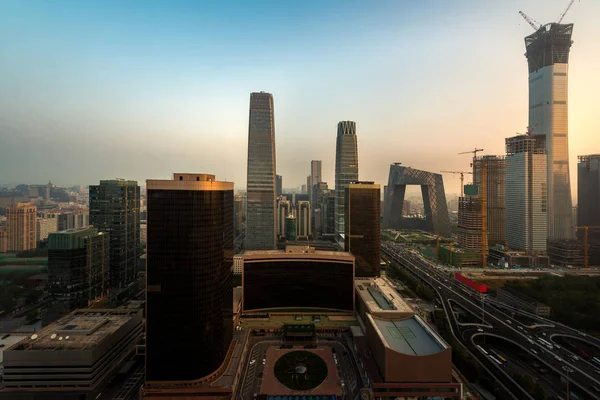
(470, 223)
(565, 253)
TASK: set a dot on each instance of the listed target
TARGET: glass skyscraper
(189, 292)
(260, 213)
(547, 58)
(346, 171)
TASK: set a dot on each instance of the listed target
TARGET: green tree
(32, 314)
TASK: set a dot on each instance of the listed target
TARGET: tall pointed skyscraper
(548, 61)
(260, 214)
(346, 171)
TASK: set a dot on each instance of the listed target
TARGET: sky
(94, 90)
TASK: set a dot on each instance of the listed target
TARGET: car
(533, 351)
(557, 346)
(264, 361)
(479, 330)
(508, 320)
(558, 358)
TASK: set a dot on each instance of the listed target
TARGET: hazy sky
(92, 90)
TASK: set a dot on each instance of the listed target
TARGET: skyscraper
(78, 267)
(260, 216)
(115, 209)
(284, 209)
(314, 179)
(588, 209)
(304, 219)
(547, 52)
(346, 171)
(279, 185)
(362, 235)
(21, 225)
(526, 207)
(495, 192)
(189, 281)
(238, 213)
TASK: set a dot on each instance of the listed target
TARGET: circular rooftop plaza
(300, 370)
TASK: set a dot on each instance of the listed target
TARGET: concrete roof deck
(380, 301)
(408, 336)
(82, 329)
(296, 252)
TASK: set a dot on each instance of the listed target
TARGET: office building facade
(362, 227)
(115, 209)
(45, 226)
(3, 239)
(526, 201)
(21, 225)
(78, 269)
(238, 213)
(284, 209)
(304, 219)
(261, 221)
(588, 209)
(547, 52)
(495, 173)
(346, 171)
(75, 219)
(189, 278)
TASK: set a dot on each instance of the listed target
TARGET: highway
(583, 376)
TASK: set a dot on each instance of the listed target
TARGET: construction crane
(534, 24)
(585, 242)
(474, 151)
(565, 12)
(462, 178)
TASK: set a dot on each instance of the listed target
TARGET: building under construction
(565, 253)
(459, 257)
(495, 195)
(470, 229)
(588, 209)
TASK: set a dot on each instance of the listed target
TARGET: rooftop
(379, 296)
(408, 336)
(297, 252)
(79, 330)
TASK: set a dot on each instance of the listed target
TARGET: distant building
(406, 207)
(78, 269)
(346, 171)
(115, 209)
(79, 218)
(304, 220)
(282, 278)
(260, 219)
(291, 228)
(314, 178)
(526, 201)
(45, 226)
(238, 213)
(436, 218)
(471, 236)
(72, 359)
(588, 209)
(279, 185)
(143, 232)
(495, 171)
(284, 208)
(21, 225)
(362, 226)
(3, 239)
(328, 212)
(189, 282)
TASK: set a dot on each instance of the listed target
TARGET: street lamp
(568, 370)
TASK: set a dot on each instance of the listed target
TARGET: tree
(32, 314)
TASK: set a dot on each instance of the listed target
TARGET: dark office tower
(279, 185)
(189, 307)
(78, 267)
(588, 209)
(115, 209)
(547, 52)
(346, 171)
(362, 227)
(495, 195)
(261, 218)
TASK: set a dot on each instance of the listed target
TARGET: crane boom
(534, 24)
(565, 12)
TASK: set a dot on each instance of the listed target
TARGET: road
(584, 377)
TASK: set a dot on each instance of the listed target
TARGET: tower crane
(474, 151)
(585, 242)
(565, 12)
(534, 24)
(462, 178)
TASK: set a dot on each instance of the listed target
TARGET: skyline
(80, 96)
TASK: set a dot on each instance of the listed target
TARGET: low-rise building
(374, 296)
(73, 358)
